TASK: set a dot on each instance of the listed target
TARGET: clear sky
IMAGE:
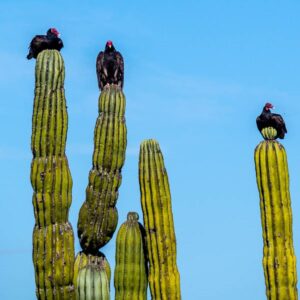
(197, 74)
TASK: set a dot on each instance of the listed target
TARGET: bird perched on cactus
(110, 67)
(268, 119)
(42, 42)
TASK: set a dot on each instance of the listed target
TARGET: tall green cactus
(164, 278)
(92, 284)
(98, 216)
(131, 265)
(279, 260)
(53, 239)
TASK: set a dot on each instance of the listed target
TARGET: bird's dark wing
(279, 121)
(60, 44)
(37, 43)
(120, 63)
(37, 40)
(259, 123)
(100, 69)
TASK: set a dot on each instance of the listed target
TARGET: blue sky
(197, 74)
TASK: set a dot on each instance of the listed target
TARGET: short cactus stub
(83, 259)
(269, 133)
(164, 278)
(98, 216)
(130, 278)
(92, 284)
(279, 260)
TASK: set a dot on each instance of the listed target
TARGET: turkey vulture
(42, 42)
(268, 119)
(110, 67)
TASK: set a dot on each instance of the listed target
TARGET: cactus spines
(83, 259)
(130, 278)
(269, 133)
(279, 260)
(53, 239)
(98, 216)
(164, 278)
(92, 283)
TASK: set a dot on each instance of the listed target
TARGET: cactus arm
(158, 219)
(279, 261)
(98, 215)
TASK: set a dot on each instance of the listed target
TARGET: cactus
(164, 278)
(98, 216)
(131, 265)
(92, 283)
(53, 239)
(279, 261)
(84, 259)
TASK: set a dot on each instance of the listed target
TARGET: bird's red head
(268, 106)
(54, 31)
(109, 44)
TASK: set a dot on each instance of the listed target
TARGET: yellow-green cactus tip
(132, 216)
(269, 133)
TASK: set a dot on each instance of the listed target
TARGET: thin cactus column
(131, 264)
(164, 278)
(279, 260)
(53, 239)
(98, 216)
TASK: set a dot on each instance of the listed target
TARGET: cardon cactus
(131, 265)
(53, 240)
(164, 278)
(279, 261)
(83, 259)
(92, 283)
(98, 216)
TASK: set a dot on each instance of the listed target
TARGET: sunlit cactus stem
(130, 278)
(53, 239)
(279, 260)
(164, 278)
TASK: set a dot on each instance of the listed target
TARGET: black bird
(42, 42)
(110, 67)
(268, 119)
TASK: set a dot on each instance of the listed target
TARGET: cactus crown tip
(150, 143)
(132, 216)
(269, 133)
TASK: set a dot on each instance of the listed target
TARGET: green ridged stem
(98, 216)
(279, 260)
(50, 118)
(53, 238)
(53, 256)
(52, 184)
(130, 278)
(269, 133)
(164, 277)
(92, 284)
(84, 259)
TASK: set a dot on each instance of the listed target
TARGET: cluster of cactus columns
(53, 240)
(279, 261)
